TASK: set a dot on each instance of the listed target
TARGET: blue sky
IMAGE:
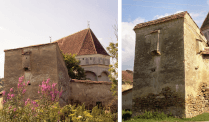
(139, 11)
(30, 22)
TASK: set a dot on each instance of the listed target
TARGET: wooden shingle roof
(83, 42)
(205, 24)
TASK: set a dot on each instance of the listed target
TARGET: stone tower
(93, 57)
(205, 27)
(37, 63)
(171, 67)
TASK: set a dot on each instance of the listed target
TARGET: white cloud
(1, 28)
(160, 16)
(208, 2)
(198, 17)
(194, 15)
(128, 41)
(166, 14)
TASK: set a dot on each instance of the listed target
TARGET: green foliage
(47, 108)
(113, 68)
(161, 117)
(80, 114)
(153, 115)
(75, 71)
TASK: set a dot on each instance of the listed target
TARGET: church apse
(96, 64)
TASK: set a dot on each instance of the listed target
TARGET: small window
(83, 58)
(153, 69)
(90, 58)
(26, 69)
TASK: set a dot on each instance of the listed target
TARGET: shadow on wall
(91, 76)
(164, 101)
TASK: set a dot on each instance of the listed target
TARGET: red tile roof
(127, 75)
(89, 81)
(161, 20)
(205, 24)
(83, 42)
(38, 45)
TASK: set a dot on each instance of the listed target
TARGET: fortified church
(40, 62)
(93, 57)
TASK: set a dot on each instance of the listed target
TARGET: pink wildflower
(47, 81)
(8, 96)
(19, 85)
(11, 90)
(24, 90)
(12, 95)
(53, 97)
(38, 92)
(28, 82)
(4, 101)
(49, 87)
(21, 79)
(24, 84)
(26, 102)
(3, 93)
(53, 85)
(14, 109)
(10, 107)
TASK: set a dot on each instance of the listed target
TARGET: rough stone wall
(90, 93)
(36, 63)
(63, 78)
(196, 67)
(158, 68)
(127, 100)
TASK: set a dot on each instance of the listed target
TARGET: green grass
(203, 117)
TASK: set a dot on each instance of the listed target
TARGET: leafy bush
(75, 71)
(47, 108)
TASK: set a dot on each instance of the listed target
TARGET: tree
(113, 68)
(75, 71)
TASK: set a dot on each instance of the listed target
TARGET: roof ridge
(160, 20)
(70, 35)
(93, 41)
(83, 41)
(204, 21)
